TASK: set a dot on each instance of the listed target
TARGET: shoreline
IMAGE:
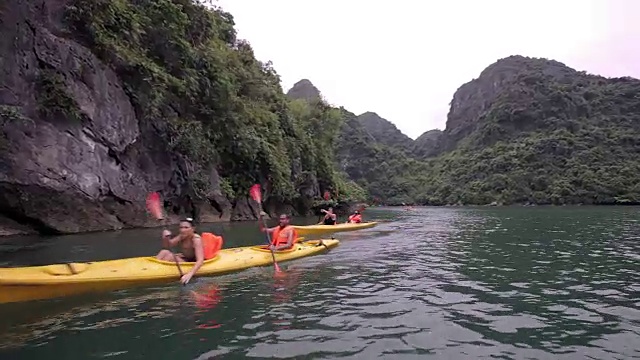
(16, 229)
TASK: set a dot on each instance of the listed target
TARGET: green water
(452, 283)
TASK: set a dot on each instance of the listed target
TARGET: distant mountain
(304, 90)
(525, 131)
(533, 130)
(427, 144)
(385, 132)
(377, 167)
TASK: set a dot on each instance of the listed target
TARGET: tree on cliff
(538, 131)
(222, 105)
(525, 131)
(150, 95)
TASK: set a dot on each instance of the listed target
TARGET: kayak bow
(326, 229)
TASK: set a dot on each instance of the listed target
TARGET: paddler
(282, 236)
(329, 217)
(355, 218)
(192, 248)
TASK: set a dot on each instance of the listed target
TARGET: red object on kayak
(211, 244)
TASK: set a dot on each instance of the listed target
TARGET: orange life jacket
(280, 236)
(211, 244)
(355, 218)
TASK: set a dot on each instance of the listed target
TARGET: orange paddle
(256, 195)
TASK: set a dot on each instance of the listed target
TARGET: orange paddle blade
(153, 205)
(256, 193)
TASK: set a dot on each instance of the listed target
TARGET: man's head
(356, 212)
(330, 210)
(186, 226)
(284, 220)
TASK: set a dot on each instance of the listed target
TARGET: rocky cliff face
(536, 131)
(304, 90)
(428, 144)
(385, 132)
(74, 156)
(80, 148)
(512, 78)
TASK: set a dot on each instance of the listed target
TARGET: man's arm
(199, 249)
(261, 225)
(267, 230)
(167, 241)
(325, 215)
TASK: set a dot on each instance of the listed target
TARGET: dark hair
(285, 215)
(188, 220)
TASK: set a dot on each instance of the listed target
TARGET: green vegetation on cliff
(214, 103)
(552, 135)
(526, 131)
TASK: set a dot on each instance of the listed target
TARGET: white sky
(404, 60)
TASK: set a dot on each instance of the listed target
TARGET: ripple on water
(450, 282)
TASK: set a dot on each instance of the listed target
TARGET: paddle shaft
(175, 257)
(156, 201)
(264, 224)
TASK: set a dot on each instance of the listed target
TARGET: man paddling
(282, 236)
(329, 217)
(192, 248)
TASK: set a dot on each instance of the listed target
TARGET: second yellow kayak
(326, 229)
(49, 281)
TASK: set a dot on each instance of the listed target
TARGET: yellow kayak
(49, 281)
(325, 229)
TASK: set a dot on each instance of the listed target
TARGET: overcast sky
(405, 59)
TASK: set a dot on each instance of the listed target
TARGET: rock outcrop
(535, 131)
(511, 78)
(385, 132)
(428, 144)
(80, 150)
(74, 156)
(304, 90)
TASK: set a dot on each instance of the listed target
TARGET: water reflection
(536, 282)
(448, 282)
(206, 300)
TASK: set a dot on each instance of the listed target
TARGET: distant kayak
(325, 229)
(50, 281)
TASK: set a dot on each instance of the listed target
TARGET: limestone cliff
(428, 144)
(304, 90)
(532, 130)
(74, 155)
(385, 132)
(103, 101)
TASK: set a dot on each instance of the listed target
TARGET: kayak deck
(324, 229)
(38, 282)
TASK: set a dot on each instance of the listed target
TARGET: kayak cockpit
(66, 269)
(173, 263)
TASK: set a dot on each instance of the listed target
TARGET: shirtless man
(192, 249)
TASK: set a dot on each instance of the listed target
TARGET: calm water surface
(442, 283)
